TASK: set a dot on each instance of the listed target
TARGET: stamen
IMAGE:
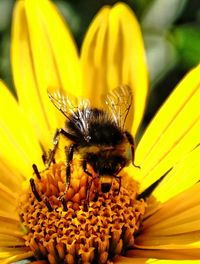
(36, 171)
(34, 190)
(44, 158)
(48, 205)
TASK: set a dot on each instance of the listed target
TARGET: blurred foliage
(5, 22)
(171, 30)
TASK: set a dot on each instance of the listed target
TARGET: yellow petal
(43, 55)
(10, 228)
(175, 224)
(173, 133)
(181, 208)
(132, 258)
(168, 242)
(183, 175)
(8, 200)
(127, 260)
(164, 261)
(10, 177)
(113, 54)
(19, 147)
(167, 256)
(9, 255)
(10, 241)
(93, 72)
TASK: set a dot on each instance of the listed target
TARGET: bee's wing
(119, 102)
(76, 110)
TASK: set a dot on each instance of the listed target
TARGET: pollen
(77, 224)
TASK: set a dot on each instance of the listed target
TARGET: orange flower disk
(60, 228)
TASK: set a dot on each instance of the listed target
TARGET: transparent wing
(119, 102)
(76, 110)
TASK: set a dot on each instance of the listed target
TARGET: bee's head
(104, 163)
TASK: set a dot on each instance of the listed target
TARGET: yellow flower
(160, 221)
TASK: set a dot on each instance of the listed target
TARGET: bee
(98, 135)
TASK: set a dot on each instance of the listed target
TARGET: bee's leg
(118, 178)
(89, 184)
(69, 155)
(48, 159)
(84, 165)
(87, 199)
(86, 202)
(51, 157)
(132, 144)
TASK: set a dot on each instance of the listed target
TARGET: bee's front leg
(69, 158)
(69, 155)
(50, 158)
(89, 185)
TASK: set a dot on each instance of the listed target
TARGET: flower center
(64, 226)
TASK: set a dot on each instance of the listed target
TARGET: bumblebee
(98, 135)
